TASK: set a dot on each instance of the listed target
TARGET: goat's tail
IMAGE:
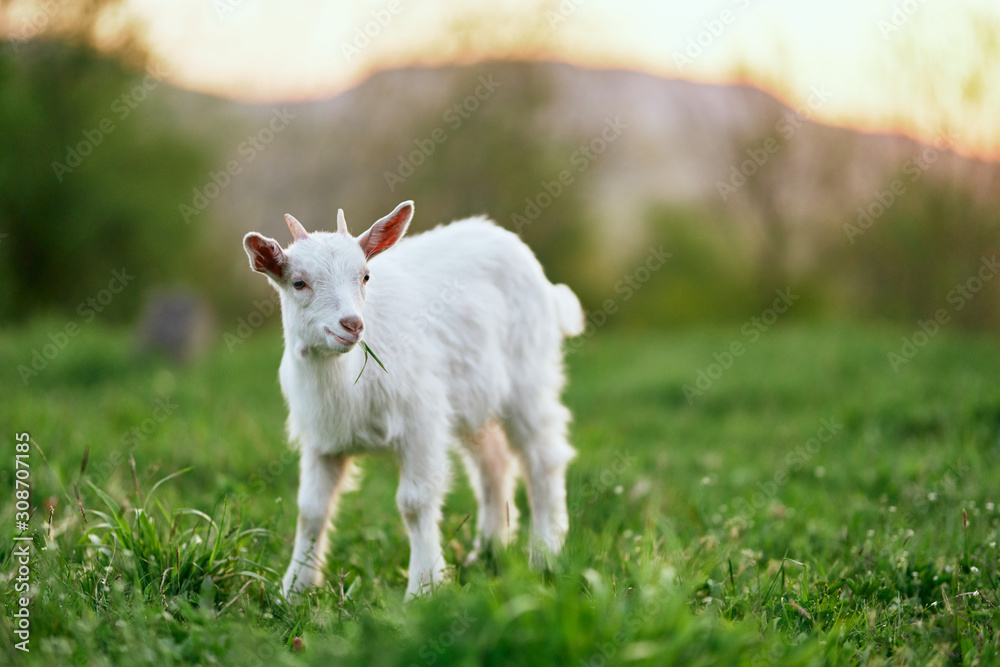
(568, 310)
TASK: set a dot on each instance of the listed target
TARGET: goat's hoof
(292, 587)
(472, 557)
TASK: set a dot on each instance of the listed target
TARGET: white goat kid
(470, 331)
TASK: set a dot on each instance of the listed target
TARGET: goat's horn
(342, 222)
(296, 228)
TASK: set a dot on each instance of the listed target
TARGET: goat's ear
(266, 256)
(384, 233)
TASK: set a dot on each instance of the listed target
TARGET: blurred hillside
(748, 194)
(595, 169)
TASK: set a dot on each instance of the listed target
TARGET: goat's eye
(367, 276)
(299, 284)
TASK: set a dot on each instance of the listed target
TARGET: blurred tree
(91, 171)
(706, 277)
(496, 161)
(925, 253)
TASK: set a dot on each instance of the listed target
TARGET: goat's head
(322, 277)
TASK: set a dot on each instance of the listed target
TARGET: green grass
(713, 531)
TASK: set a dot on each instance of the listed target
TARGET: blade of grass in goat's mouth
(368, 350)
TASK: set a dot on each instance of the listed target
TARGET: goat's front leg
(320, 481)
(423, 482)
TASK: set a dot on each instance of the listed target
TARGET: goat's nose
(352, 324)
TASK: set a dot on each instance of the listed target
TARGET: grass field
(811, 506)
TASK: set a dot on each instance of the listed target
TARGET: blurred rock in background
(175, 323)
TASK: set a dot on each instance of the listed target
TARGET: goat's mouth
(346, 341)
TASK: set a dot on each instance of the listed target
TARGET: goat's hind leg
(492, 471)
(537, 431)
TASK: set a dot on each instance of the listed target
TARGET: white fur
(470, 332)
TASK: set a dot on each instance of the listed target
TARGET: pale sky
(915, 66)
